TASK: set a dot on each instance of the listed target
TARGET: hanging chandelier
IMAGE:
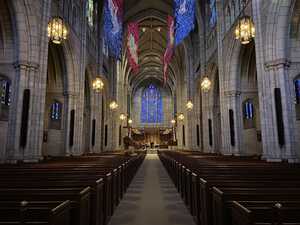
(206, 84)
(180, 117)
(98, 84)
(122, 117)
(245, 30)
(113, 105)
(189, 105)
(57, 30)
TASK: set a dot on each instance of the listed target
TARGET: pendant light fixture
(245, 29)
(98, 84)
(57, 29)
(205, 83)
(113, 105)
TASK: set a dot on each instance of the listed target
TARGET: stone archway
(249, 115)
(55, 117)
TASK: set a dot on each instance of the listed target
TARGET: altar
(152, 151)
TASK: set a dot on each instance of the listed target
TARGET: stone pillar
(231, 101)
(33, 150)
(14, 152)
(270, 75)
(277, 71)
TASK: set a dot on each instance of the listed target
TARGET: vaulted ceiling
(152, 16)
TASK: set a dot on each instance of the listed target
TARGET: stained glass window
(56, 111)
(152, 105)
(5, 92)
(90, 12)
(248, 110)
(213, 13)
(297, 90)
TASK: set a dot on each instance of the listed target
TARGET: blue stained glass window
(213, 13)
(297, 90)
(56, 111)
(5, 92)
(248, 110)
(152, 105)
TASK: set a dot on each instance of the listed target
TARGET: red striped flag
(132, 46)
(170, 47)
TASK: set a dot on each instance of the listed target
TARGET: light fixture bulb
(122, 116)
(189, 105)
(206, 84)
(180, 117)
(98, 84)
(113, 105)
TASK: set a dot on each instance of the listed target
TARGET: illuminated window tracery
(152, 108)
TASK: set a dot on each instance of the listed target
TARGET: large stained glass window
(152, 105)
(213, 13)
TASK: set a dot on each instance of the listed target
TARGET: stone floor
(152, 199)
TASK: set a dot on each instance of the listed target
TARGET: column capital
(232, 93)
(277, 64)
(70, 94)
(26, 65)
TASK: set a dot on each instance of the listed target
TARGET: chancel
(138, 112)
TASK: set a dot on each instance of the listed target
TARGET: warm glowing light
(144, 29)
(130, 121)
(245, 30)
(189, 105)
(122, 116)
(159, 29)
(180, 117)
(98, 84)
(57, 30)
(113, 105)
(205, 84)
(173, 121)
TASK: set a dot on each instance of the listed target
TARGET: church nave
(197, 100)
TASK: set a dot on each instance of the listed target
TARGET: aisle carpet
(152, 199)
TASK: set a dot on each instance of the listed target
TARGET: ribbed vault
(152, 16)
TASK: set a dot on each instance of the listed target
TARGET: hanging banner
(113, 26)
(133, 45)
(170, 47)
(184, 19)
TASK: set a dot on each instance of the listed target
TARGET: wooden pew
(79, 198)
(196, 177)
(223, 199)
(35, 213)
(265, 212)
(107, 177)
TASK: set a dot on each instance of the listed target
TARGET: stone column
(277, 72)
(231, 101)
(14, 152)
(33, 150)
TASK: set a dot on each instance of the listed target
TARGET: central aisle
(152, 199)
